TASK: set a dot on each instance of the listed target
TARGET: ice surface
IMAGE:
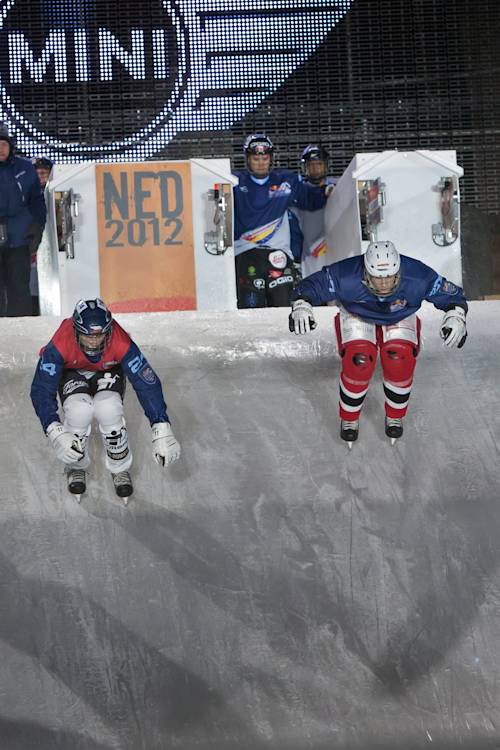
(272, 589)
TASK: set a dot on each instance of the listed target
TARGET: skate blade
(125, 500)
(77, 497)
(349, 444)
(393, 441)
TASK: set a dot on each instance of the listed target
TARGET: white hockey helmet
(382, 260)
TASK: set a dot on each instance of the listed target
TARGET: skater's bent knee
(359, 358)
(78, 410)
(108, 408)
(398, 360)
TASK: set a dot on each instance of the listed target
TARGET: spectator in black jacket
(21, 203)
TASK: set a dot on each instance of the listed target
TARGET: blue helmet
(92, 318)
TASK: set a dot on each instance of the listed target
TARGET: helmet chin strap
(315, 180)
(95, 352)
(368, 281)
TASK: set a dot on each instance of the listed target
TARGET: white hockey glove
(166, 449)
(301, 319)
(453, 330)
(67, 446)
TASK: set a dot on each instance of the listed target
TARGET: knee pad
(398, 360)
(358, 361)
(108, 410)
(78, 412)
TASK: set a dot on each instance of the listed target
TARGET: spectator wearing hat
(21, 203)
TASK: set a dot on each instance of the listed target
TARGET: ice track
(271, 590)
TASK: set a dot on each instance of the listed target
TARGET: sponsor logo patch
(147, 375)
(107, 381)
(276, 191)
(275, 274)
(118, 456)
(449, 288)
(72, 385)
(398, 304)
(281, 280)
(278, 259)
(259, 283)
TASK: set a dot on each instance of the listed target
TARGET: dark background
(404, 74)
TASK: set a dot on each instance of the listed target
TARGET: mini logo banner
(210, 58)
(146, 256)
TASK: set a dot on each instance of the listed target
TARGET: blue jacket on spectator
(21, 201)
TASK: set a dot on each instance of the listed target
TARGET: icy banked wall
(271, 590)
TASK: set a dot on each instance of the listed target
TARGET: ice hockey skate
(393, 428)
(349, 431)
(123, 485)
(76, 482)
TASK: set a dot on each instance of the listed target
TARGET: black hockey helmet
(92, 318)
(314, 152)
(258, 143)
(317, 155)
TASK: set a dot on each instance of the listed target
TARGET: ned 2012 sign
(146, 256)
(208, 63)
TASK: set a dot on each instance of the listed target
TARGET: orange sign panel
(146, 255)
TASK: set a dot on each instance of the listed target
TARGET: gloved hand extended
(166, 448)
(67, 446)
(453, 330)
(301, 319)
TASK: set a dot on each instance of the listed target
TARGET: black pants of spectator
(262, 283)
(15, 268)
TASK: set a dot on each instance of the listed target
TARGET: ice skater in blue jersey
(264, 258)
(379, 294)
(85, 364)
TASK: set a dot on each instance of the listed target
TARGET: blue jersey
(296, 237)
(344, 282)
(314, 252)
(261, 209)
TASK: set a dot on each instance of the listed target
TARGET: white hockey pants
(107, 408)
